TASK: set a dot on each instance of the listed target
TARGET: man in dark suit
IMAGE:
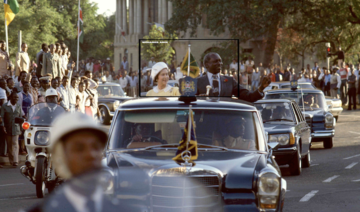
(225, 86)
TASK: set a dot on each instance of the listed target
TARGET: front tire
(328, 143)
(306, 161)
(40, 176)
(104, 116)
(295, 165)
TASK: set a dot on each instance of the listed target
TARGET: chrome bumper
(112, 114)
(336, 111)
(323, 134)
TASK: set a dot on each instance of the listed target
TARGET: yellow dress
(167, 91)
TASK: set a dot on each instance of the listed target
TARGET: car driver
(310, 102)
(235, 131)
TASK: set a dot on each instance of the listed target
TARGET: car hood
(278, 127)
(236, 168)
(312, 113)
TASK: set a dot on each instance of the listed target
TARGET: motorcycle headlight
(107, 181)
(282, 139)
(116, 104)
(329, 120)
(42, 138)
(268, 190)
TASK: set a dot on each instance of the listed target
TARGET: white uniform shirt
(123, 82)
(64, 94)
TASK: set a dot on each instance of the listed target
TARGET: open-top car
(334, 104)
(313, 105)
(234, 160)
(286, 125)
(110, 95)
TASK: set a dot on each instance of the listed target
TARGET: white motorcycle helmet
(51, 92)
(64, 125)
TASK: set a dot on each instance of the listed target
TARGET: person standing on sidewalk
(10, 111)
(344, 73)
(3, 99)
(335, 83)
(352, 90)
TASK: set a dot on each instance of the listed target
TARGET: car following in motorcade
(313, 105)
(286, 125)
(335, 105)
(238, 167)
(110, 95)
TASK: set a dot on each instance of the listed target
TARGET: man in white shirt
(64, 93)
(22, 60)
(125, 64)
(2, 92)
(73, 92)
(133, 84)
(90, 66)
(108, 77)
(151, 62)
(234, 65)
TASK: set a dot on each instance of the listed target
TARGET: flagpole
(189, 129)
(189, 62)
(6, 35)
(78, 36)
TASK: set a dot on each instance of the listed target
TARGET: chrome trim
(112, 113)
(323, 133)
(286, 149)
(41, 154)
(185, 108)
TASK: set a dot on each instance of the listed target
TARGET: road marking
(356, 180)
(314, 164)
(12, 184)
(352, 157)
(18, 198)
(351, 165)
(330, 179)
(308, 196)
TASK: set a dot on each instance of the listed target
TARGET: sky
(106, 6)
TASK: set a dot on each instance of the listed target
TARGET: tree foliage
(312, 22)
(159, 51)
(44, 21)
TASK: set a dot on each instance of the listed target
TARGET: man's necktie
(215, 83)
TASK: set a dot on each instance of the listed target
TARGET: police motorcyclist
(47, 114)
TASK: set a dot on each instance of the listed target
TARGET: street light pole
(328, 58)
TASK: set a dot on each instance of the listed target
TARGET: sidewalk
(5, 160)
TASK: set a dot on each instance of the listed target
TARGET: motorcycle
(38, 167)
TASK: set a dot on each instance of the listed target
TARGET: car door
(298, 132)
(305, 131)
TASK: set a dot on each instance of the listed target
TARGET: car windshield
(299, 86)
(110, 91)
(312, 101)
(146, 128)
(43, 114)
(276, 112)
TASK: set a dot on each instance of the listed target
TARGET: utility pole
(328, 50)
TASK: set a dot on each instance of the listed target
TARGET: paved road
(330, 184)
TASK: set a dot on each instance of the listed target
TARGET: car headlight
(107, 181)
(42, 138)
(329, 120)
(282, 139)
(116, 104)
(268, 190)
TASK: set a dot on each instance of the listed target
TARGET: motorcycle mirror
(26, 125)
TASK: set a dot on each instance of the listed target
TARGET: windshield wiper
(279, 120)
(161, 146)
(212, 146)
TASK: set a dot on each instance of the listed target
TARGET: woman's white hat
(157, 68)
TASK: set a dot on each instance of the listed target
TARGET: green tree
(159, 51)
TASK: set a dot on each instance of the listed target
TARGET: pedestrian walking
(9, 112)
(352, 90)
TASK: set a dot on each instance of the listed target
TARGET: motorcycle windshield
(43, 114)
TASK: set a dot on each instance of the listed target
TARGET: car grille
(185, 193)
